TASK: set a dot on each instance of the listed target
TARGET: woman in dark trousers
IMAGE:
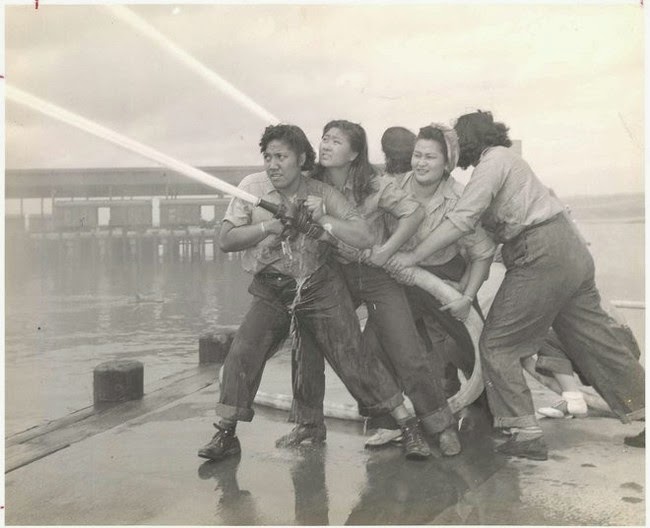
(464, 265)
(549, 282)
(343, 163)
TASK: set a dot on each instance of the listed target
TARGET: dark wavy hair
(361, 170)
(476, 132)
(435, 134)
(294, 138)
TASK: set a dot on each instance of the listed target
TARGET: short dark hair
(397, 143)
(397, 166)
(294, 138)
(476, 132)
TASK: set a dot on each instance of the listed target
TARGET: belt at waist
(273, 276)
(542, 223)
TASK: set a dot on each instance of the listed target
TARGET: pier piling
(214, 347)
(118, 381)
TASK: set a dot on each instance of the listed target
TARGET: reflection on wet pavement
(398, 491)
(146, 471)
(394, 490)
(310, 488)
(235, 506)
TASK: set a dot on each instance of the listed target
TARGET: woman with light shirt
(549, 282)
(430, 182)
(343, 164)
(465, 264)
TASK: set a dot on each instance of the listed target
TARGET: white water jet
(23, 98)
(127, 16)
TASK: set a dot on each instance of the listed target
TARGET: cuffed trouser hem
(386, 406)
(639, 414)
(384, 421)
(516, 421)
(303, 414)
(234, 414)
(553, 365)
(437, 421)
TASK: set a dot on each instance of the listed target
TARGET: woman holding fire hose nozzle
(297, 290)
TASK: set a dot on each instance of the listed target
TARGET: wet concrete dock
(144, 470)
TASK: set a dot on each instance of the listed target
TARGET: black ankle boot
(224, 443)
(415, 446)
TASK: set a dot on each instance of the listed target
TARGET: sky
(567, 80)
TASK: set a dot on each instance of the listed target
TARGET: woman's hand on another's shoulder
(316, 207)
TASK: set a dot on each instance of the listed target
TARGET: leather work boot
(534, 449)
(415, 446)
(449, 441)
(301, 432)
(224, 443)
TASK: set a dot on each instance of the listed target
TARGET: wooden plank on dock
(38, 442)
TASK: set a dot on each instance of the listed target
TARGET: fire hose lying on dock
(469, 391)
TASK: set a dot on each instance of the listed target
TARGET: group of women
(420, 216)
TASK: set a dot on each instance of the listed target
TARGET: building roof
(117, 182)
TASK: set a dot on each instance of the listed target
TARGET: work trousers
(391, 338)
(322, 309)
(552, 359)
(549, 282)
(447, 341)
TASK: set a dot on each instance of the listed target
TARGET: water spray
(23, 98)
(129, 17)
(427, 281)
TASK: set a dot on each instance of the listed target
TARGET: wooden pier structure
(118, 213)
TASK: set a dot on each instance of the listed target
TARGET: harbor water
(63, 317)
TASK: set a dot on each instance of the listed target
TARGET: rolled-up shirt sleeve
(239, 212)
(395, 200)
(486, 181)
(479, 245)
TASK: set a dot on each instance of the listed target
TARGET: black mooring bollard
(118, 381)
(214, 347)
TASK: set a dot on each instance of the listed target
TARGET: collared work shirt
(478, 245)
(298, 257)
(387, 198)
(505, 195)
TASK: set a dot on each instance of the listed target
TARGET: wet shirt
(299, 257)
(505, 195)
(477, 245)
(387, 199)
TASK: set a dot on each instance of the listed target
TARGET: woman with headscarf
(465, 264)
(343, 164)
(549, 282)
